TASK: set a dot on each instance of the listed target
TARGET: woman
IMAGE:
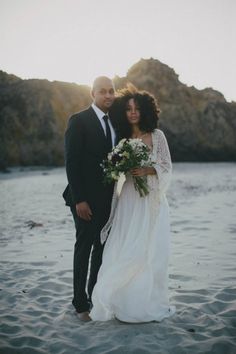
(132, 283)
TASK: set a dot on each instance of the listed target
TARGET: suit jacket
(85, 148)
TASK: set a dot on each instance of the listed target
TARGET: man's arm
(74, 142)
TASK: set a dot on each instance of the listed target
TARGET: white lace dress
(132, 282)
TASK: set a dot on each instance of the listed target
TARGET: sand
(37, 238)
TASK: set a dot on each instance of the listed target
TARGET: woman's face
(132, 112)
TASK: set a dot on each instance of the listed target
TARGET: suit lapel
(96, 124)
(116, 137)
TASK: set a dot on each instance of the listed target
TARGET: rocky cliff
(33, 118)
(199, 124)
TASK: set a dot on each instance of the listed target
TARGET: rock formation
(200, 125)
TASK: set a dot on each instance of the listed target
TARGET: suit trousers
(87, 240)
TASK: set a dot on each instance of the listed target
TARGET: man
(88, 139)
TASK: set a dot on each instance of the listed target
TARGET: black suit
(85, 148)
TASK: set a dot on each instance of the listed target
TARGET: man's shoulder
(81, 114)
(79, 117)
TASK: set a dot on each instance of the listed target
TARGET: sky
(78, 40)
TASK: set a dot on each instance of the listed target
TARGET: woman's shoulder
(158, 138)
(158, 132)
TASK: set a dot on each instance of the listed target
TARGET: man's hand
(83, 211)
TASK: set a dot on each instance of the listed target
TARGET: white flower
(126, 154)
(136, 143)
(121, 143)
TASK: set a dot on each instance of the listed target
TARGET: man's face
(103, 94)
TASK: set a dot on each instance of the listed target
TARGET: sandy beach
(37, 238)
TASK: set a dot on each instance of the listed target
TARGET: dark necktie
(108, 133)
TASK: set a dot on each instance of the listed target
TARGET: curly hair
(148, 111)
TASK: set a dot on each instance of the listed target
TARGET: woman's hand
(143, 171)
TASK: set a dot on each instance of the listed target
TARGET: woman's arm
(163, 164)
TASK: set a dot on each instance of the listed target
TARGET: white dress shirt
(100, 114)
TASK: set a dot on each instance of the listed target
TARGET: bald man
(88, 139)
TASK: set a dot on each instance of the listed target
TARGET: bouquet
(128, 154)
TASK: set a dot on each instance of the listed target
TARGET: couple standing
(128, 280)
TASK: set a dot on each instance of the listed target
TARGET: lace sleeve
(162, 164)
